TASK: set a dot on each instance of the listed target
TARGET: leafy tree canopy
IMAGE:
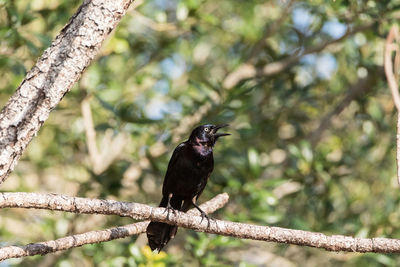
(300, 82)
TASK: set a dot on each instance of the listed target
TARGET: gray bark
(92, 237)
(60, 66)
(197, 223)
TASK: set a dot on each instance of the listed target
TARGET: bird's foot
(168, 209)
(204, 215)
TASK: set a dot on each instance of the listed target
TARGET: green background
(312, 145)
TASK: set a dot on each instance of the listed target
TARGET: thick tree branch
(247, 71)
(56, 71)
(92, 237)
(227, 228)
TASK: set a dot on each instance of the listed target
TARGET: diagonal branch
(247, 71)
(226, 228)
(60, 66)
(391, 46)
(270, 30)
(361, 87)
(90, 133)
(92, 237)
(111, 148)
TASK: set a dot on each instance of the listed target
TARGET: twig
(96, 236)
(155, 26)
(270, 30)
(90, 132)
(391, 46)
(227, 228)
(247, 71)
(189, 121)
(359, 88)
(111, 147)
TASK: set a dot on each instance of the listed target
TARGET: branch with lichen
(187, 220)
(55, 72)
(57, 202)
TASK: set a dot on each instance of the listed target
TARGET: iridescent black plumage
(188, 171)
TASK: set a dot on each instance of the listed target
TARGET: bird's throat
(203, 151)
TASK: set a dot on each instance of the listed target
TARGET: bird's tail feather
(159, 233)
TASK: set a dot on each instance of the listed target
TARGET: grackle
(188, 171)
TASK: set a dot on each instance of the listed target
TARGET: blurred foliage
(166, 62)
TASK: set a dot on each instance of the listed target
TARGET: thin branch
(247, 71)
(60, 66)
(359, 88)
(226, 228)
(111, 146)
(93, 237)
(270, 30)
(155, 26)
(90, 132)
(391, 46)
(188, 122)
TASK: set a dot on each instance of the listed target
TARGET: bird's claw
(169, 208)
(204, 215)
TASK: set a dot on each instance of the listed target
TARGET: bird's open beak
(217, 127)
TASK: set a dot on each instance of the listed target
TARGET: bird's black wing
(159, 233)
(172, 165)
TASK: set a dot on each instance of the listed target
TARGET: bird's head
(206, 135)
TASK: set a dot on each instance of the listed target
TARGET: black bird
(188, 171)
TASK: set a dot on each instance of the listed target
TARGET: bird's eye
(206, 129)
